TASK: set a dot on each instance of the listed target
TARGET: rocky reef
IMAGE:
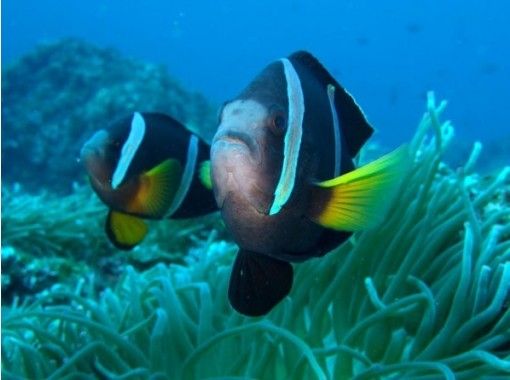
(55, 97)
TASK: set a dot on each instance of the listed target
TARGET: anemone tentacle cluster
(425, 295)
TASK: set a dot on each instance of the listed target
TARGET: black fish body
(147, 166)
(293, 129)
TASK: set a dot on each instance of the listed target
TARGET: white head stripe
(336, 129)
(187, 176)
(293, 136)
(129, 149)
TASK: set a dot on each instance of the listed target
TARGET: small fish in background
(147, 166)
(362, 40)
(393, 96)
(284, 178)
(489, 68)
(414, 28)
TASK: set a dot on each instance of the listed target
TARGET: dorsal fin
(355, 127)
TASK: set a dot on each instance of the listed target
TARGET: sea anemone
(424, 296)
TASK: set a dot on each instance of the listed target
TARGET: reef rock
(55, 97)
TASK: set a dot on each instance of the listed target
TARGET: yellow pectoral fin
(157, 189)
(358, 200)
(125, 231)
(205, 174)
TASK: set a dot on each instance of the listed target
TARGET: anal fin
(125, 231)
(258, 283)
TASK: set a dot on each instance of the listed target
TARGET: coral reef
(54, 98)
(495, 154)
(424, 296)
(49, 239)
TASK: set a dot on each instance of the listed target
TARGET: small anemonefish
(284, 178)
(147, 166)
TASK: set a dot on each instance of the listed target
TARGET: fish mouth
(237, 138)
(94, 157)
(95, 146)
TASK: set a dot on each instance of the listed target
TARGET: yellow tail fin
(358, 200)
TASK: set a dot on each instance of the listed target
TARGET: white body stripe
(187, 176)
(293, 137)
(336, 129)
(129, 149)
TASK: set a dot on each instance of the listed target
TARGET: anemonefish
(147, 166)
(284, 178)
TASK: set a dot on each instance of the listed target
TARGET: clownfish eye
(278, 124)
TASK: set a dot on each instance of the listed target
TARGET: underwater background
(426, 295)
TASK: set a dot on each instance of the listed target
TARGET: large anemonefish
(147, 166)
(284, 178)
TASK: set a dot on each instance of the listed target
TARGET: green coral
(49, 239)
(48, 225)
(424, 296)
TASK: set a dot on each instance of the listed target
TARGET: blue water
(387, 53)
